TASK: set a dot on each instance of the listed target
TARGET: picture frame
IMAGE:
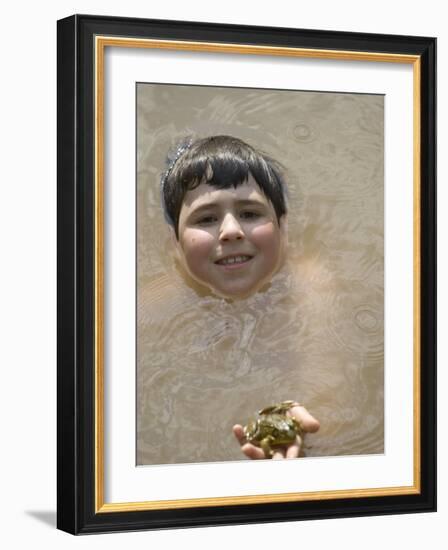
(85, 417)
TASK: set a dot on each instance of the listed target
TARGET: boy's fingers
(293, 450)
(307, 421)
(255, 453)
(238, 431)
(279, 454)
(251, 451)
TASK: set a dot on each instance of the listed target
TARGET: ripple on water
(302, 132)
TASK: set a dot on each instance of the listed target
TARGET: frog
(273, 428)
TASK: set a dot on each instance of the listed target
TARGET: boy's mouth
(234, 260)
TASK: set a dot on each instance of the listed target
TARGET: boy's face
(230, 239)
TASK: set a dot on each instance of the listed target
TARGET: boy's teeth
(233, 260)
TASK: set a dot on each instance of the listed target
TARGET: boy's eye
(249, 215)
(206, 220)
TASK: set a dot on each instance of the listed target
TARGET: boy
(226, 205)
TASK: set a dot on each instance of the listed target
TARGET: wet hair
(222, 162)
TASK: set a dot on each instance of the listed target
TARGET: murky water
(316, 334)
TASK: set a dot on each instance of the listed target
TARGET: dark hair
(222, 162)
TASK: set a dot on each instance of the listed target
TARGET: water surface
(316, 334)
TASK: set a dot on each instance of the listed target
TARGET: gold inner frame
(101, 42)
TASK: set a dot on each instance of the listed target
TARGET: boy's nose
(230, 229)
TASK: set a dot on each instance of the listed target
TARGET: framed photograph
(246, 274)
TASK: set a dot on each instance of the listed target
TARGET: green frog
(273, 428)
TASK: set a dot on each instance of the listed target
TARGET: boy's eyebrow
(239, 202)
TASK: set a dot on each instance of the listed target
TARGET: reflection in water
(316, 334)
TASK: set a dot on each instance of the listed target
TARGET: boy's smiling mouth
(234, 260)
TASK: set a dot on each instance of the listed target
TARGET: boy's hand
(308, 423)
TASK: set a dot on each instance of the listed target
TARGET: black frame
(76, 395)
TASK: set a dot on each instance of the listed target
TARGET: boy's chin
(234, 294)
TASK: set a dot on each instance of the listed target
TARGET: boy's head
(226, 204)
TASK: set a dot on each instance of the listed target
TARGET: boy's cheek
(266, 235)
(196, 246)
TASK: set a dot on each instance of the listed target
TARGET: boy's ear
(174, 241)
(283, 223)
(172, 234)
